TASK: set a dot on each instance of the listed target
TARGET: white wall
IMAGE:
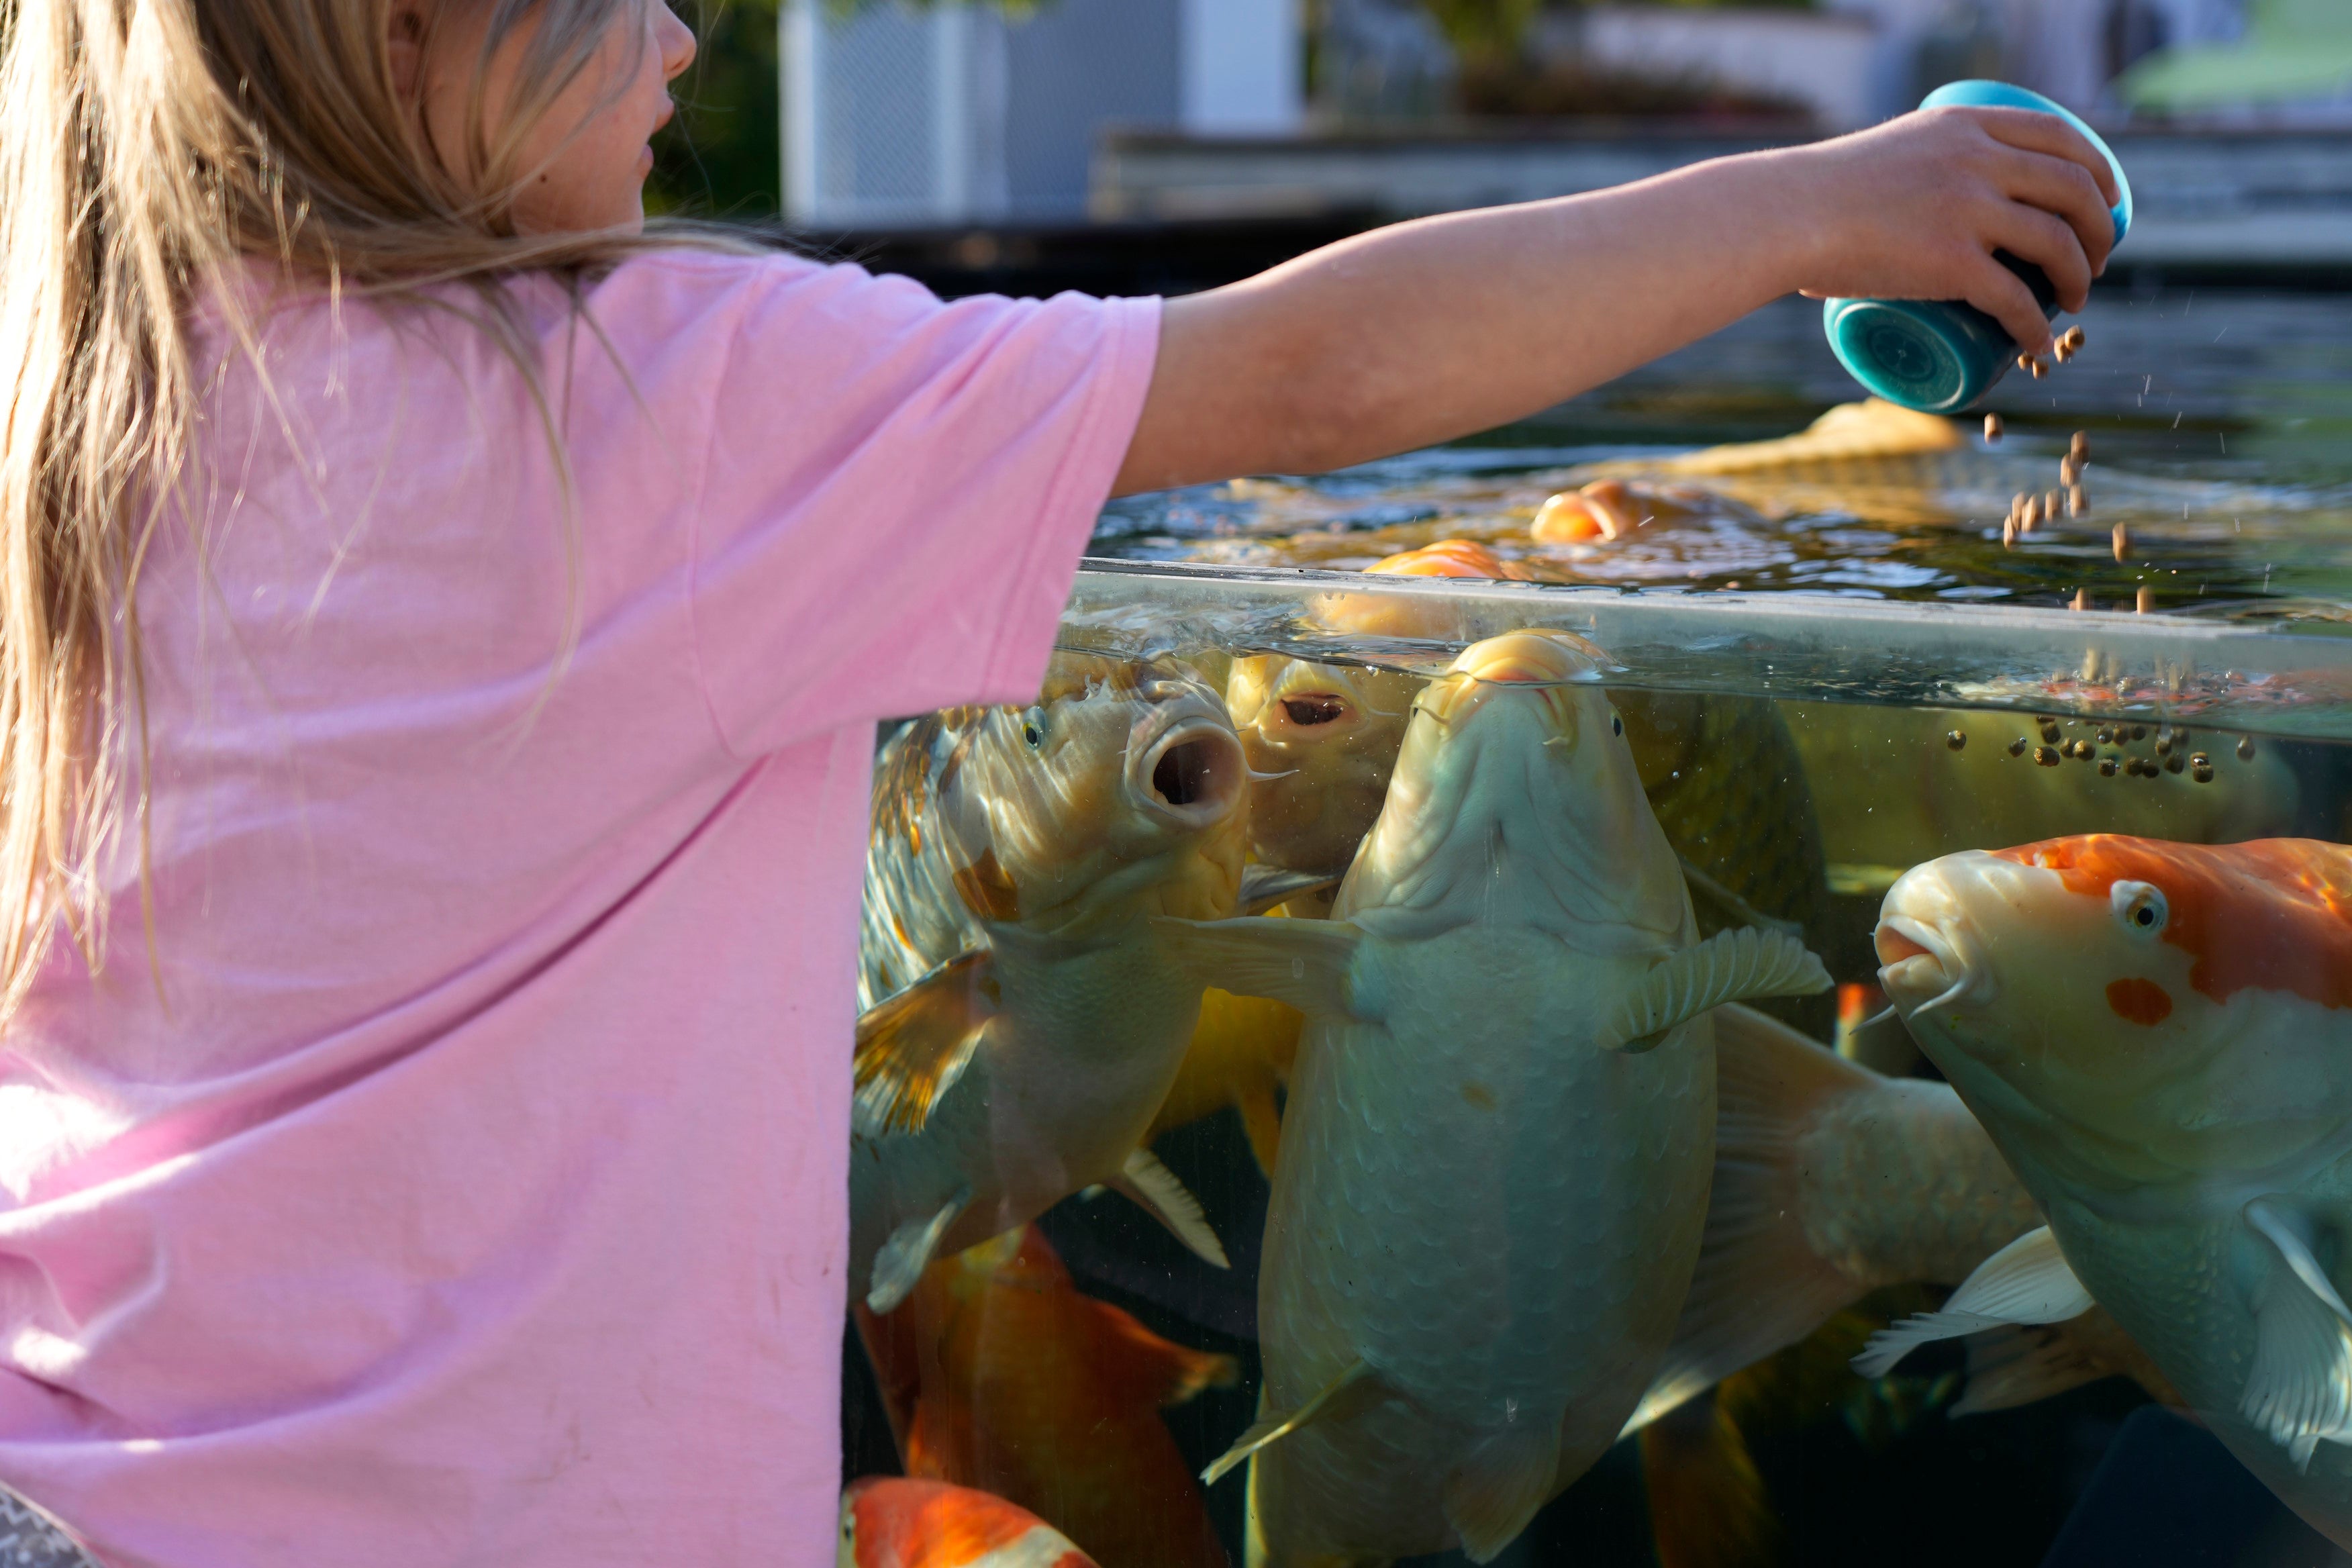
(1822, 61)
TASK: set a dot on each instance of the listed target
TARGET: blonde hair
(147, 148)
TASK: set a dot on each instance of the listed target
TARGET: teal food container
(1940, 355)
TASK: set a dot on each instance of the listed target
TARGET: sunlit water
(2221, 425)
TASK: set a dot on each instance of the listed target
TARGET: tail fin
(1759, 1284)
(1707, 1506)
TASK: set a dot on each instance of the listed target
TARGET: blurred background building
(1005, 118)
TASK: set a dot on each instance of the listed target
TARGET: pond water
(1642, 1025)
(2221, 425)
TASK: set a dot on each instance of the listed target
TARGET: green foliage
(722, 157)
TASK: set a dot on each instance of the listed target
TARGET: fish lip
(1922, 912)
(1210, 771)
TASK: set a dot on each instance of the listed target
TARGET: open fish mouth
(1192, 772)
(1922, 964)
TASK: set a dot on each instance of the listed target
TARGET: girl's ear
(406, 48)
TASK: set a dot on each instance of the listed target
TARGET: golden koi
(1023, 1021)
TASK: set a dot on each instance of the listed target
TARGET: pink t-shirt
(464, 1182)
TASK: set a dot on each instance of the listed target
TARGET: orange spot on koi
(2137, 1001)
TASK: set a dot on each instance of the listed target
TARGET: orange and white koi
(2158, 1036)
(893, 1523)
(999, 1374)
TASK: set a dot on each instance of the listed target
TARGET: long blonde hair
(147, 148)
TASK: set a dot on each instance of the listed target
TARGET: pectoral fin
(1358, 1388)
(1303, 963)
(1508, 1478)
(911, 1046)
(902, 1258)
(1264, 886)
(2299, 1389)
(1153, 1188)
(1730, 966)
(2027, 1281)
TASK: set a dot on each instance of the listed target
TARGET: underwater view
(1733, 975)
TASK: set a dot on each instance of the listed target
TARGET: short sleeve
(897, 494)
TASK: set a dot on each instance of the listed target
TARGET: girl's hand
(1914, 208)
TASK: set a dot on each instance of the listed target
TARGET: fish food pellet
(2017, 747)
(2047, 756)
(2077, 503)
(2082, 751)
(2079, 448)
(2245, 748)
(2068, 469)
(2140, 732)
(2049, 730)
(2076, 336)
(2132, 766)
(2037, 368)
(2025, 361)
(2009, 534)
(2107, 767)
(2106, 733)
(2049, 505)
(2200, 760)
(2145, 600)
(2163, 745)
(2202, 773)
(1992, 426)
(1956, 739)
(2081, 599)
(2122, 541)
(2175, 763)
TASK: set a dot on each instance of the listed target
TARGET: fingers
(2031, 131)
(2066, 191)
(2031, 235)
(2003, 295)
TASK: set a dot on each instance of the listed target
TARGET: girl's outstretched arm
(1434, 329)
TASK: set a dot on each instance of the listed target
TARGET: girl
(442, 627)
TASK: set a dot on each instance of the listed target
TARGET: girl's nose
(676, 40)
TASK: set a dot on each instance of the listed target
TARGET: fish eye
(2141, 906)
(1033, 729)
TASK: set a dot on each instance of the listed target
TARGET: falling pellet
(2079, 448)
(2047, 756)
(2030, 514)
(2123, 542)
(2081, 599)
(2077, 503)
(2175, 763)
(2025, 361)
(2107, 767)
(2049, 730)
(2017, 747)
(2050, 506)
(2009, 532)
(2145, 600)
(2038, 369)
(1992, 426)
(2245, 748)
(2068, 469)
(1956, 739)
(2202, 773)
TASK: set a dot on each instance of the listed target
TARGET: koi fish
(1000, 1375)
(1499, 1135)
(893, 1523)
(1611, 510)
(1023, 1021)
(2156, 1035)
(1320, 740)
